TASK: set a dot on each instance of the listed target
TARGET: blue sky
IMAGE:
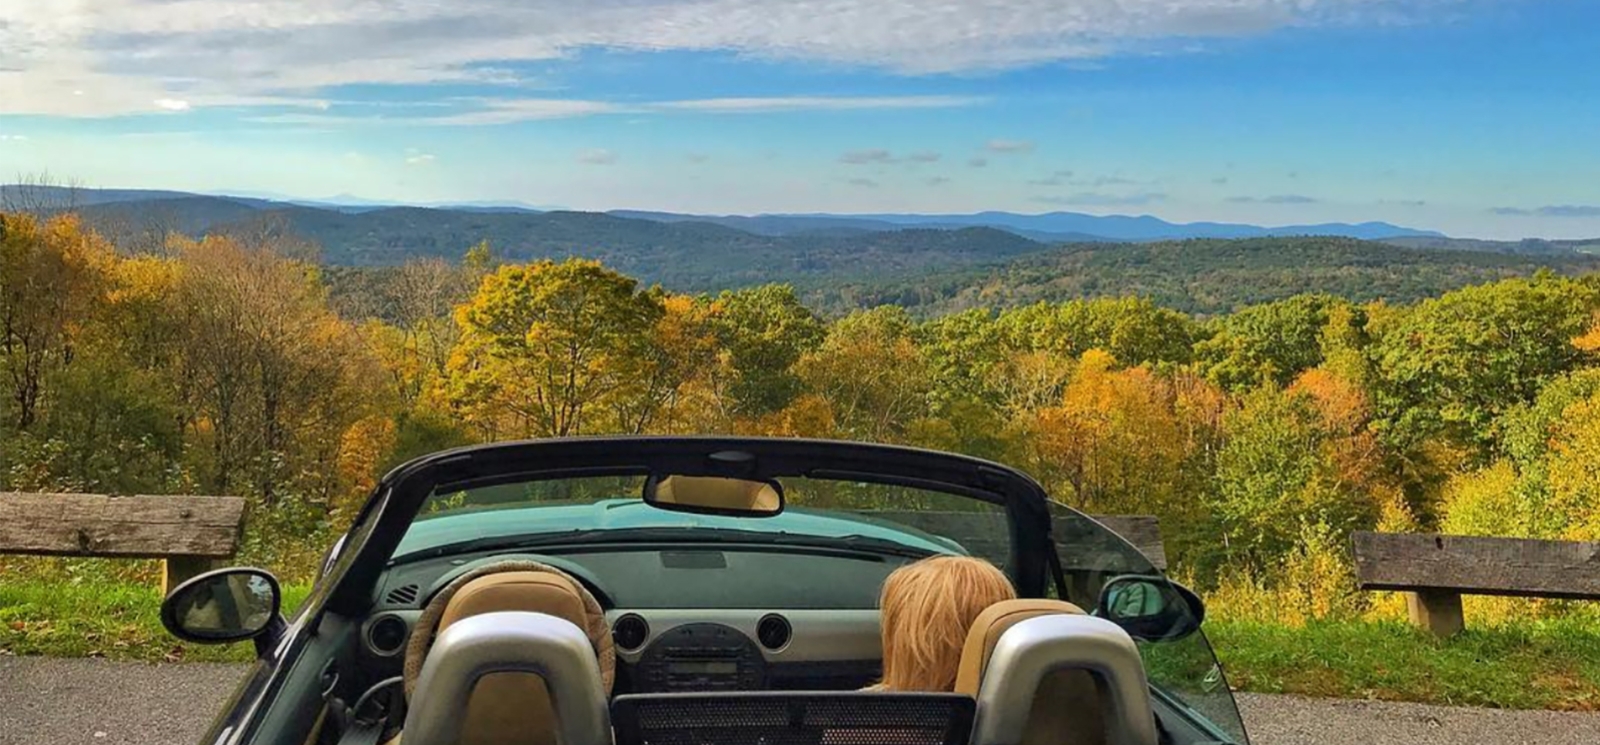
(1475, 117)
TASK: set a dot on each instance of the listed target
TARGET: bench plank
(141, 526)
(1473, 565)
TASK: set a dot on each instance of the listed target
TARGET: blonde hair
(925, 612)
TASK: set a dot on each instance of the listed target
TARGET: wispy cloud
(1275, 199)
(1009, 146)
(815, 103)
(171, 104)
(977, 162)
(866, 157)
(127, 53)
(1405, 202)
(1552, 210)
(1220, 180)
(597, 157)
(697, 158)
(865, 183)
(1051, 181)
(419, 159)
(936, 181)
(924, 156)
(1100, 199)
(13, 138)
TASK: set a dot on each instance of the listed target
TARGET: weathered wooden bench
(190, 533)
(1436, 570)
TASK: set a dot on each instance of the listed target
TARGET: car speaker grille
(405, 595)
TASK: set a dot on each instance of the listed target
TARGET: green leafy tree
(547, 346)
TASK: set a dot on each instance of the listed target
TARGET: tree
(52, 279)
(1272, 342)
(268, 374)
(1452, 365)
(871, 373)
(764, 331)
(546, 345)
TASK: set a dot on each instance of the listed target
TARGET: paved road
(67, 702)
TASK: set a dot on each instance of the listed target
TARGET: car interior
(662, 643)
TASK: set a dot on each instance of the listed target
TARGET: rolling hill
(1203, 275)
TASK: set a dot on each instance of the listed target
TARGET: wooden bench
(190, 533)
(1436, 570)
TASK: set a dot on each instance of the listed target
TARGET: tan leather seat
(510, 708)
(1066, 709)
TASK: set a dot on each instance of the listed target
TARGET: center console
(698, 657)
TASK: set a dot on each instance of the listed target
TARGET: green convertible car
(704, 591)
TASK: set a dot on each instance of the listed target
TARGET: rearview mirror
(714, 495)
(226, 605)
(1151, 608)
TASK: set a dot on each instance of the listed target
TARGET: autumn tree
(763, 331)
(871, 372)
(547, 347)
(52, 279)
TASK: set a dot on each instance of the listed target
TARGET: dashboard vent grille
(630, 632)
(773, 631)
(404, 595)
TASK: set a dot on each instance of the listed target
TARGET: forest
(1261, 437)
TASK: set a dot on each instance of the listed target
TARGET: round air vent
(386, 636)
(773, 631)
(630, 632)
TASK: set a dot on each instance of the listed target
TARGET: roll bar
(1031, 650)
(506, 641)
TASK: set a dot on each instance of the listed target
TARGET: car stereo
(701, 657)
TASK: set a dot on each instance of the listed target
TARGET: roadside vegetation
(1261, 437)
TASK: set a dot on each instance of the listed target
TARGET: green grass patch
(1527, 665)
(110, 620)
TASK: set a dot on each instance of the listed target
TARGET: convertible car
(704, 591)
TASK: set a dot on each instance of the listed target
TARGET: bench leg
(177, 569)
(1436, 610)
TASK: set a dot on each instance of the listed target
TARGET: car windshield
(890, 517)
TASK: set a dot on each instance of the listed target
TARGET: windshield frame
(401, 494)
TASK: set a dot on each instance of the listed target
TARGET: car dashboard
(687, 619)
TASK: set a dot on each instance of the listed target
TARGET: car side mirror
(226, 606)
(1151, 608)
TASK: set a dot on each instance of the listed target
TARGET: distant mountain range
(931, 263)
(1052, 227)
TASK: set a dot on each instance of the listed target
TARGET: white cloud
(13, 138)
(865, 157)
(125, 54)
(816, 103)
(926, 156)
(977, 162)
(172, 104)
(419, 159)
(1009, 146)
(597, 157)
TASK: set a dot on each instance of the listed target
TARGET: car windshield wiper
(859, 543)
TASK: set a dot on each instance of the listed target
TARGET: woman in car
(926, 609)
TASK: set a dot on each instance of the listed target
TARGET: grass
(117, 621)
(1517, 665)
(1523, 665)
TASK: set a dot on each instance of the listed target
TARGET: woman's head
(926, 609)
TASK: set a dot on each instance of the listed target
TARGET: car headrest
(987, 628)
(511, 586)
